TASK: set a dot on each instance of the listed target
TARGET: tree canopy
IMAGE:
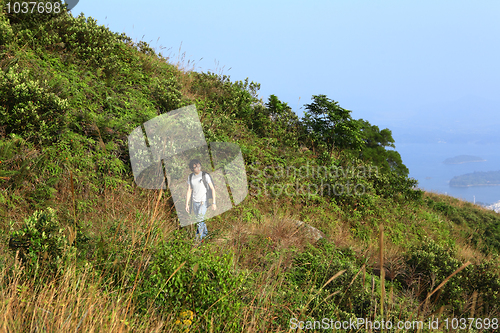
(374, 148)
(331, 125)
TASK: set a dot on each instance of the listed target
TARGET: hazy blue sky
(394, 63)
(427, 70)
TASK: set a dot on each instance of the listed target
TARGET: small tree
(331, 125)
(374, 149)
(284, 122)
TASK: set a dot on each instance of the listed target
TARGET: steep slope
(70, 93)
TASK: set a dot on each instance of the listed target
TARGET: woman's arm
(213, 195)
(188, 197)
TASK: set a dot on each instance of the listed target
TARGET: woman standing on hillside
(200, 189)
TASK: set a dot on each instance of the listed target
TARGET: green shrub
(40, 241)
(430, 264)
(6, 32)
(484, 226)
(315, 266)
(32, 20)
(346, 180)
(441, 207)
(82, 37)
(21, 175)
(397, 186)
(165, 92)
(235, 100)
(207, 281)
(484, 279)
(28, 109)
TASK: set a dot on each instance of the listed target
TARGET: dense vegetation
(83, 248)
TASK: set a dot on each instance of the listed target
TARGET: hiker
(200, 191)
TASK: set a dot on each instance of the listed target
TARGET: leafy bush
(28, 109)
(316, 266)
(486, 225)
(484, 279)
(397, 186)
(6, 32)
(32, 20)
(81, 37)
(40, 241)
(430, 263)
(345, 179)
(441, 207)
(165, 91)
(205, 280)
(21, 176)
(235, 100)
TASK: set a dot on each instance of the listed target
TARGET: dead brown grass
(251, 242)
(341, 234)
(70, 303)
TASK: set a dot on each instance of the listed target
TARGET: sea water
(425, 162)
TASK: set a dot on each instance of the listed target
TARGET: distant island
(463, 159)
(477, 178)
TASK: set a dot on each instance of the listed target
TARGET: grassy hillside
(83, 248)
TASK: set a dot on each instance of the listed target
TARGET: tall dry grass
(78, 301)
(74, 302)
